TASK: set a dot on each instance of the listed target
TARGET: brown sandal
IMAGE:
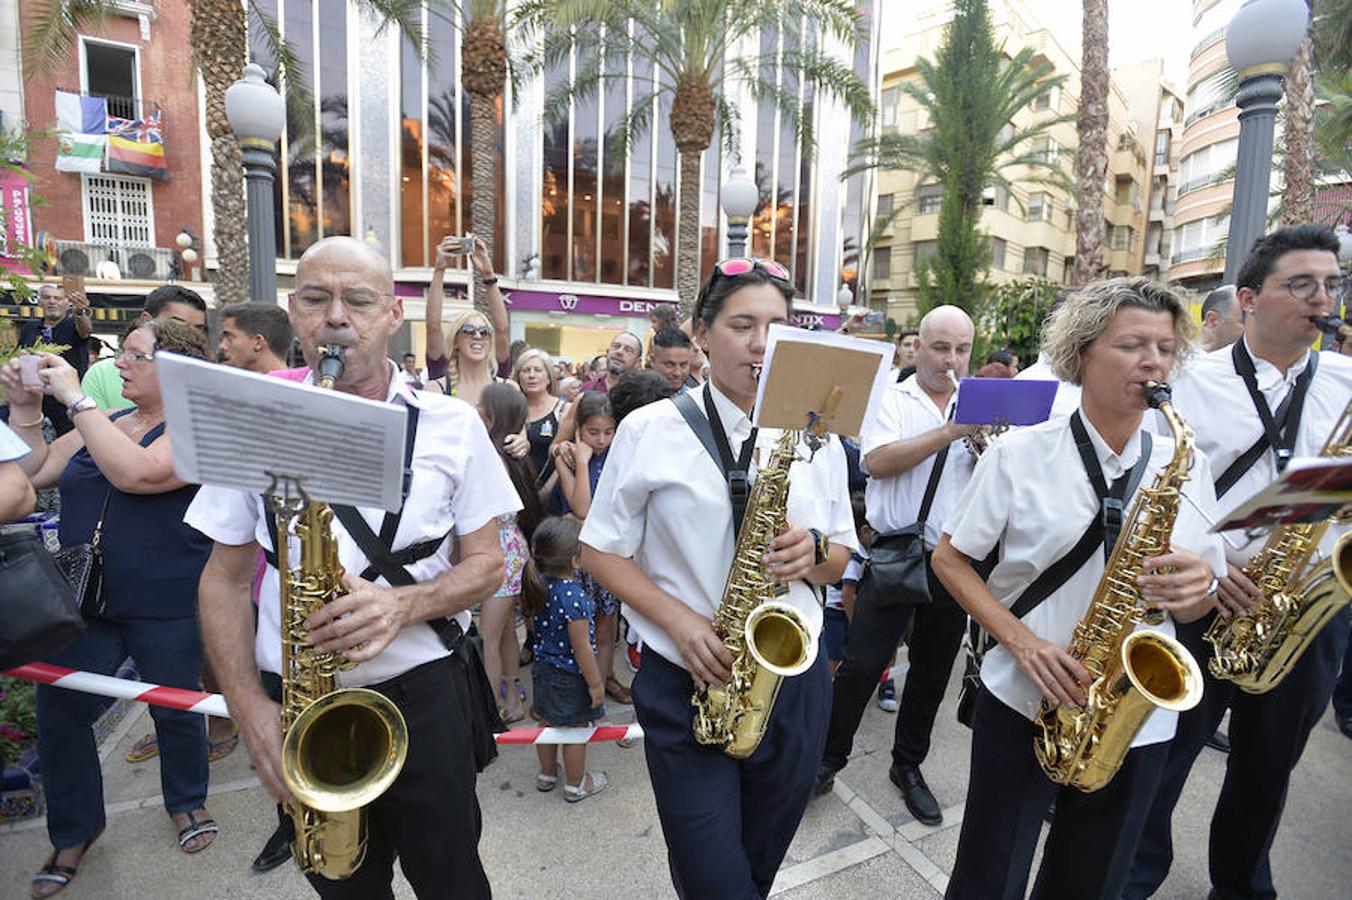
(618, 692)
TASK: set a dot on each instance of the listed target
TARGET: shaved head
(945, 318)
(351, 251)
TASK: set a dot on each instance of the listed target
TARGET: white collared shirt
(1030, 495)
(1212, 398)
(1067, 398)
(893, 503)
(663, 501)
(459, 485)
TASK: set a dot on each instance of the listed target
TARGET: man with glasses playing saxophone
(1255, 405)
(405, 641)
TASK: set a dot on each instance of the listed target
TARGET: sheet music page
(232, 428)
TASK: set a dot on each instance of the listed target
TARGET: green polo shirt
(103, 382)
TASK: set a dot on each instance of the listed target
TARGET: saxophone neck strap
(1279, 429)
(708, 428)
(1112, 499)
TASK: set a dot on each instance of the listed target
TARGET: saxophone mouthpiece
(330, 365)
(1157, 393)
(1332, 325)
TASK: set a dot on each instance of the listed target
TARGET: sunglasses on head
(740, 265)
(479, 331)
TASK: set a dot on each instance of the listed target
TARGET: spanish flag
(137, 147)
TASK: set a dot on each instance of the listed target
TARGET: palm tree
(971, 92)
(219, 36)
(1091, 163)
(690, 47)
(483, 72)
(1298, 195)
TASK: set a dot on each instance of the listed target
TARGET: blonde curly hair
(1085, 315)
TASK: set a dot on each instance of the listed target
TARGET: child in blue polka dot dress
(566, 676)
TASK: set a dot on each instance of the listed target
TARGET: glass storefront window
(302, 202)
(412, 213)
(443, 142)
(664, 198)
(331, 93)
(612, 196)
(554, 203)
(638, 266)
(585, 184)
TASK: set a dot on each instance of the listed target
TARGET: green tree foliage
(1012, 317)
(971, 92)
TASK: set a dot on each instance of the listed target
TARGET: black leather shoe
(916, 793)
(826, 779)
(275, 852)
(1345, 725)
(1219, 741)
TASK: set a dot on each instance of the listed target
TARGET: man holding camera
(65, 320)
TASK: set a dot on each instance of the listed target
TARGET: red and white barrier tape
(214, 704)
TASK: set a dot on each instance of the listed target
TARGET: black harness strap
(1279, 429)
(711, 435)
(1103, 529)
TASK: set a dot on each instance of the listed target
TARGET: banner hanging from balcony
(80, 122)
(136, 147)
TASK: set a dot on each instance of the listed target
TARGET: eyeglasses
(479, 331)
(740, 265)
(1304, 287)
(135, 356)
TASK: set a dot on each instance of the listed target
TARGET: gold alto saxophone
(768, 638)
(1256, 650)
(342, 748)
(1131, 671)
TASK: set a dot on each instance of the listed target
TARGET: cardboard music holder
(814, 375)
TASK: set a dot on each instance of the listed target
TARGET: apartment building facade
(1032, 228)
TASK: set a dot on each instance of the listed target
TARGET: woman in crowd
(660, 535)
(534, 374)
(1038, 495)
(116, 476)
(461, 367)
(503, 409)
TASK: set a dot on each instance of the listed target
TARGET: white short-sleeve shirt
(663, 501)
(12, 446)
(1031, 496)
(459, 485)
(893, 503)
(1211, 397)
(1067, 398)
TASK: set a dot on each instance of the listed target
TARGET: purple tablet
(1005, 401)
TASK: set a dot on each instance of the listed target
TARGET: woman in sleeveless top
(118, 470)
(535, 375)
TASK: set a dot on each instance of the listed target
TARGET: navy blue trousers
(167, 652)
(728, 822)
(936, 635)
(1093, 836)
(1267, 736)
(1342, 691)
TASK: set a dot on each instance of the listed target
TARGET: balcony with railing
(122, 107)
(117, 262)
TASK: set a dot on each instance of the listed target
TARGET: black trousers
(936, 635)
(429, 818)
(728, 822)
(1093, 836)
(1267, 736)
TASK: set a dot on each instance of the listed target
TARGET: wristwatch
(488, 281)
(85, 402)
(821, 547)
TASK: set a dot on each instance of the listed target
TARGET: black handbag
(38, 614)
(897, 572)
(82, 565)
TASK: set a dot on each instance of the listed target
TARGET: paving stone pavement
(857, 842)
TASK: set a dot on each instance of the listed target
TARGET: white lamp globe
(189, 255)
(740, 195)
(1266, 33)
(257, 113)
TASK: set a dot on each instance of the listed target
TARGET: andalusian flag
(137, 147)
(80, 152)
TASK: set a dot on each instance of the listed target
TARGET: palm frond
(54, 29)
(288, 72)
